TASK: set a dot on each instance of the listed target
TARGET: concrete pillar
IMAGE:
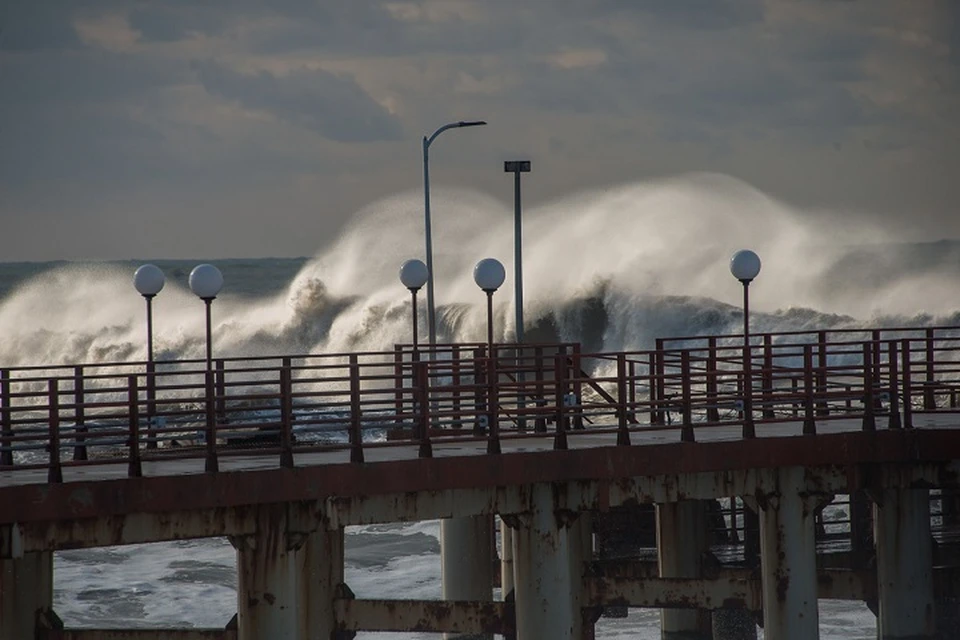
(466, 560)
(788, 566)
(682, 538)
(286, 579)
(506, 559)
(904, 564)
(26, 587)
(548, 566)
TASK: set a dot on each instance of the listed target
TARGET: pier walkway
(807, 465)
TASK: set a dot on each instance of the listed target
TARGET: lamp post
(413, 275)
(489, 274)
(516, 167)
(148, 280)
(427, 141)
(745, 266)
(206, 282)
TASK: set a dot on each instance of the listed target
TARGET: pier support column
(26, 587)
(788, 559)
(286, 579)
(548, 565)
(506, 559)
(904, 564)
(466, 561)
(682, 537)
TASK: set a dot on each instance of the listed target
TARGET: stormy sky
(235, 128)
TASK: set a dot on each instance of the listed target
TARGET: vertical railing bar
(869, 422)
(623, 430)
(134, 468)
(577, 377)
(767, 376)
(493, 407)
(455, 359)
(356, 423)
(422, 390)
(6, 426)
(686, 430)
(79, 420)
(661, 367)
(892, 363)
(713, 412)
(809, 421)
(151, 405)
(540, 422)
(559, 372)
(212, 465)
(55, 472)
(929, 400)
(221, 392)
(286, 413)
(632, 392)
(906, 374)
(823, 407)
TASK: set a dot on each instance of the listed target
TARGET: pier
(729, 486)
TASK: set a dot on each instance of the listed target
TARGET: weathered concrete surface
(26, 588)
(466, 559)
(904, 564)
(682, 540)
(424, 615)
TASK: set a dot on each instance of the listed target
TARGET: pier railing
(56, 417)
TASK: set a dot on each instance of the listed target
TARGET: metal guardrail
(58, 416)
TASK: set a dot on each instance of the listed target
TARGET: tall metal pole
(431, 308)
(208, 302)
(413, 293)
(149, 300)
(490, 323)
(749, 430)
(431, 312)
(518, 254)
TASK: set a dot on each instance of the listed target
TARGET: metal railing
(54, 417)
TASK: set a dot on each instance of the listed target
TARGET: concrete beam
(141, 634)
(681, 593)
(425, 615)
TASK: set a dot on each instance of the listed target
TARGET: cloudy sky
(236, 128)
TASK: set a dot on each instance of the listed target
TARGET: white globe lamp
(745, 265)
(148, 280)
(413, 275)
(206, 281)
(489, 274)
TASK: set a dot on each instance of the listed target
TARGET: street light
(516, 167)
(745, 266)
(431, 309)
(206, 282)
(148, 280)
(413, 275)
(489, 274)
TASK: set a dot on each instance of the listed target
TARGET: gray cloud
(333, 105)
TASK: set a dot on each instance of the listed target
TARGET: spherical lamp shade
(414, 274)
(148, 280)
(489, 274)
(745, 265)
(206, 281)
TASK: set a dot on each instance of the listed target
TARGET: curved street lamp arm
(452, 125)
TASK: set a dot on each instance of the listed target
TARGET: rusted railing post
(767, 376)
(286, 413)
(632, 392)
(686, 430)
(398, 382)
(422, 385)
(823, 406)
(623, 402)
(660, 382)
(479, 405)
(79, 426)
(221, 392)
(577, 378)
(929, 400)
(869, 421)
(652, 387)
(809, 422)
(151, 404)
(356, 424)
(455, 361)
(55, 472)
(749, 429)
(713, 412)
(493, 405)
(134, 468)
(212, 465)
(560, 383)
(906, 371)
(877, 377)
(892, 358)
(6, 422)
(540, 422)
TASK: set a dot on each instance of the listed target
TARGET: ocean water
(612, 269)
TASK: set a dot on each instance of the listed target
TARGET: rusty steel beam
(684, 593)
(90, 499)
(139, 634)
(424, 615)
